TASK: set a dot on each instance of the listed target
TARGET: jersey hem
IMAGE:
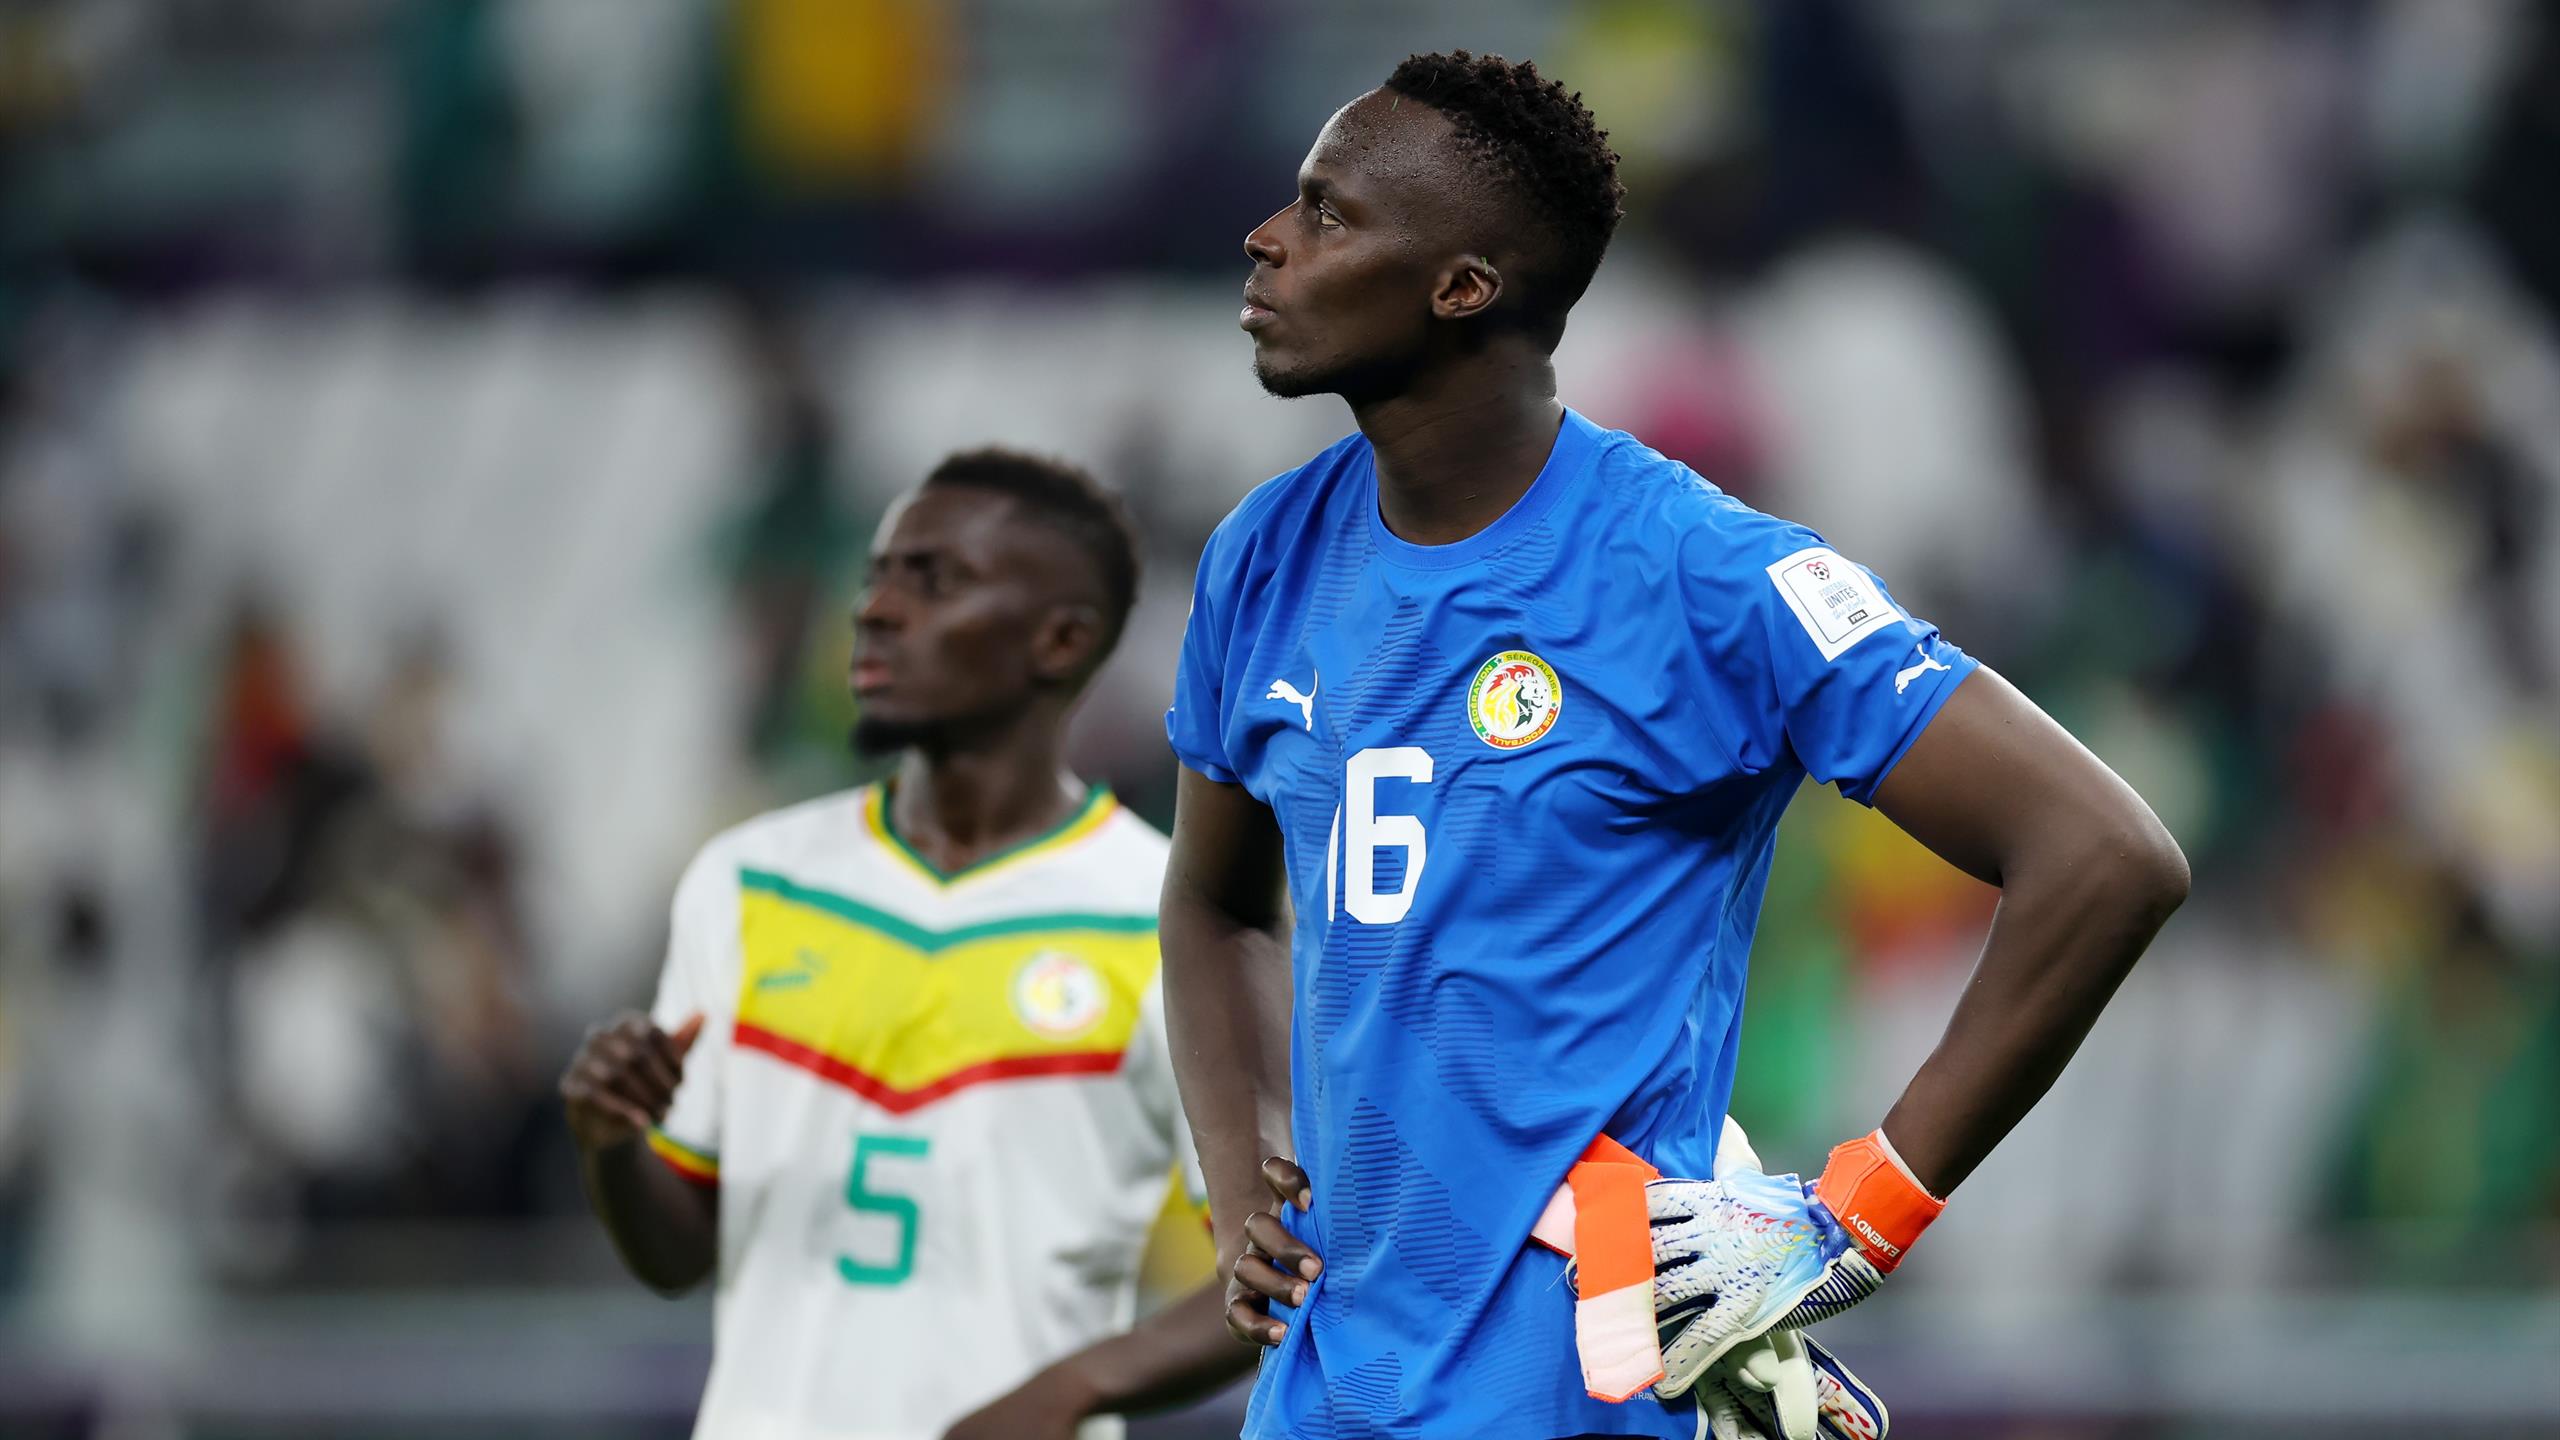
(1206, 767)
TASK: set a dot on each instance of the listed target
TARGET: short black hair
(1068, 499)
(1543, 143)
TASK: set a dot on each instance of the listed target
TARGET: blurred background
(438, 439)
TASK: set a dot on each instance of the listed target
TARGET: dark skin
(974, 636)
(1383, 282)
(666, 1228)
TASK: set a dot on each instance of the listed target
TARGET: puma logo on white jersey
(1305, 700)
(1902, 678)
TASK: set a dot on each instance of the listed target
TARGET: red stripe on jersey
(901, 1102)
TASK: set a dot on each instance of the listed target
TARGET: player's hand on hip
(623, 1078)
(1274, 1265)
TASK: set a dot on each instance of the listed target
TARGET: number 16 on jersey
(1359, 832)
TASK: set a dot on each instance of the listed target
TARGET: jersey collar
(1577, 445)
(1088, 817)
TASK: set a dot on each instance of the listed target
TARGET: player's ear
(1065, 641)
(1469, 286)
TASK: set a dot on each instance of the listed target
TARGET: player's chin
(1279, 377)
(880, 730)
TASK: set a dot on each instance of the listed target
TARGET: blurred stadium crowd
(438, 439)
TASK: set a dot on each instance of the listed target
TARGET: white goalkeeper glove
(1787, 1386)
(1741, 1255)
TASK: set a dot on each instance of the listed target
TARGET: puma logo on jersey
(1305, 700)
(806, 966)
(1902, 678)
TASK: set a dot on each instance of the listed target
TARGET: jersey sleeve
(1151, 1075)
(1195, 723)
(700, 978)
(1815, 661)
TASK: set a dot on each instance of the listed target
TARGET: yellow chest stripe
(905, 1015)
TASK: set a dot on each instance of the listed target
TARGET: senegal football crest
(1058, 995)
(1514, 699)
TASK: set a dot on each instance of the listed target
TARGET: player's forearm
(2074, 916)
(1226, 989)
(1179, 1354)
(666, 1229)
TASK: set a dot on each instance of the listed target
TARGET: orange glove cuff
(1879, 1202)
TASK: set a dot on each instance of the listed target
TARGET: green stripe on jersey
(907, 932)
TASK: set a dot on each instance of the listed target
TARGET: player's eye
(1325, 218)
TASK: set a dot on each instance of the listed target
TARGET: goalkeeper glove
(1787, 1386)
(1737, 1257)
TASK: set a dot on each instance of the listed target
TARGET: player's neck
(956, 807)
(1458, 448)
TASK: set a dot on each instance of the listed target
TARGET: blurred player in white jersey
(906, 1079)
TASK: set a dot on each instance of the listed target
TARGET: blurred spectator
(363, 914)
(76, 553)
(460, 138)
(2452, 1148)
(2413, 525)
(791, 544)
(838, 93)
(266, 789)
(1899, 431)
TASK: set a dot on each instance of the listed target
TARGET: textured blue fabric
(1569, 959)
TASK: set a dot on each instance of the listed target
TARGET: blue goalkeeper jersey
(1529, 784)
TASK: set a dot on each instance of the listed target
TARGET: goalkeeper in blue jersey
(1516, 702)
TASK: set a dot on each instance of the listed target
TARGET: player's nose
(876, 607)
(1263, 245)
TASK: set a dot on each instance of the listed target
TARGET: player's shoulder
(778, 838)
(1121, 864)
(1129, 832)
(1695, 526)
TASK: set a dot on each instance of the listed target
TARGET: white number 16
(1370, 832)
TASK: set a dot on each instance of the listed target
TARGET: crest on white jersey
(1059, 995)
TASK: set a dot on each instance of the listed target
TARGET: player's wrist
(620, 1147)
(1877, 1199)
(1070, 1387)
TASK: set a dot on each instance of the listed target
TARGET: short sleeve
(1151, 1077)
(1815, 659)
(700, 978)
(1193, 725)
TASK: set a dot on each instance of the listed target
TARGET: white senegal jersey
(939, 1110)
